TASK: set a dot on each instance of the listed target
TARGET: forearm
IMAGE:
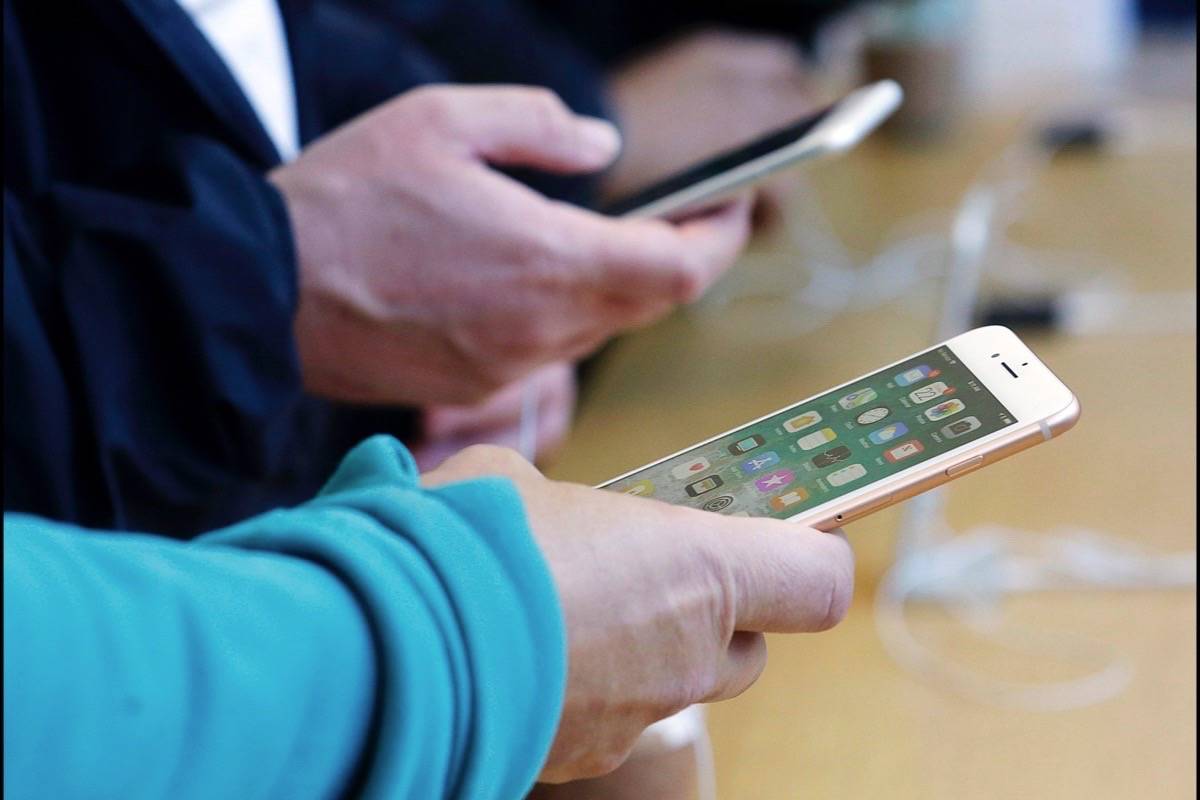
(138, 667)
(381, 639)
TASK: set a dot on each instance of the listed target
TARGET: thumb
(525, 126)
(786, 578)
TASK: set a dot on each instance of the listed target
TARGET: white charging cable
(1091, 295)
(970, 573)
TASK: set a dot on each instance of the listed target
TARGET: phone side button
(965, 466)
(855, 512)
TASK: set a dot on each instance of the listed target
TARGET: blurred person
(207, 392)
(343, 648)
(199, 314)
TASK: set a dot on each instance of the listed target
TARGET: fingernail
(599, 136)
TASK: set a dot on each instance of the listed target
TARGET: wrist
(326, 308)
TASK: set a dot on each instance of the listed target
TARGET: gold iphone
(873, 441)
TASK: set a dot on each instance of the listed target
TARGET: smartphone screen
(722, 162)
(821, 449)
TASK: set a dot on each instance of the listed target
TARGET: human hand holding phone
(708, 182)
(664, 606)
(700, 94)
(428, 277)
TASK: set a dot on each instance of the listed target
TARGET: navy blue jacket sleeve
(148, 267)
(150, 281)
(148, 355)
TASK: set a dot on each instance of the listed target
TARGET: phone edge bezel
(854, 117)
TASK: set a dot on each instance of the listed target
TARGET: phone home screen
(831, 445)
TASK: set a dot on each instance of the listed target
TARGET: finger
(644, 260)
(637, 312)
(716, 239)
(552, 385)
(550, 434)
(743, 663)
(438, 423)
(785, 577)
(554, 418)
(502, 408)
(554, 389)
(524, 126)
(650, 261)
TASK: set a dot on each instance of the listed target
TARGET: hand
(665, 606)
(665, 765)
(704, 93)
(444, 430)
(427, 277)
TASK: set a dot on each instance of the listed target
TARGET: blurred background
(1031, 630)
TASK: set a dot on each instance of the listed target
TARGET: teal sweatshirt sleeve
(382, 640)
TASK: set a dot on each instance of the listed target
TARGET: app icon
(787, 499)
(775, 480)
(747, 444)
(690, 468)
(816, 439)
(916, 375)
(930, 391)
(961, 426)
(703, 485)
(888, 432)
(639, 489)
(846, 474)
(903, 451)
(719, 503)
(802, 421)
(831, 457)
(857, 398)
(760, 462)
(872, 415)
(944, 409)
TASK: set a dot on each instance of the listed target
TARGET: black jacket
(150, 376)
